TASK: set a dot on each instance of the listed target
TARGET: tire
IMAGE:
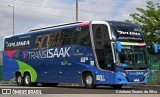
(27, 79)
(117, 86)
(89, 81)
(19, 80)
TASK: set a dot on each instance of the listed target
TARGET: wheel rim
(27, 80)
(19, 79)
(88, 80)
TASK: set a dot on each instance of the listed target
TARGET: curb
(7, 82)
(147, 86)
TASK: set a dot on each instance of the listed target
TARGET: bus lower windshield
(133, 58)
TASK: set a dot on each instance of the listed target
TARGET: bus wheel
(117, 86)
(89, 81)
(19, 80)
(27, 79)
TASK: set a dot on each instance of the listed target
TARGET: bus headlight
(122, 73)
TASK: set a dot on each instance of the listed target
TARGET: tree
(149, 20)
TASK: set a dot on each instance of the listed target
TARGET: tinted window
(66, 36)
(55, 38)
(100, 35)
(105, 58)
(81, 36)
(50, 38)
(103, 47)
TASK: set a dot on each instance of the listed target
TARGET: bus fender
(87, 71)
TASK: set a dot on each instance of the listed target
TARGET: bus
(91, 53)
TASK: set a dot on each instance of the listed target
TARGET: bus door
(103, 47)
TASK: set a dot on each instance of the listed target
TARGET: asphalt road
(77, 91)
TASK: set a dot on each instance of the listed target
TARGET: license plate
(136, 80)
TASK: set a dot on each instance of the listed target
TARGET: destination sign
(125, 35)
(128, 34)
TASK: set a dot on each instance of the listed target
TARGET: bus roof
(112, 23)
(59, 25)
(51, 27)
(120, 23)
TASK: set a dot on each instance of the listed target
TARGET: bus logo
(17, 44)
(136, 73)
(50, 53)
(65, 62)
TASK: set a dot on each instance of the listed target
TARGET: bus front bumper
(122, 80)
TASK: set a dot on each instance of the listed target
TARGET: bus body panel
(49, 69)
(64, 63)
(10, 66)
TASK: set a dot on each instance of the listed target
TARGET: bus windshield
(133, 58)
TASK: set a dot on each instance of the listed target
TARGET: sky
(31, 14)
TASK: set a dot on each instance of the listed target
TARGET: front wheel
(89, 81)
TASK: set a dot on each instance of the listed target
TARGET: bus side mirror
(118, 46)
(155, 46)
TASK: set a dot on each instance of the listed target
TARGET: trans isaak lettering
(49, 53)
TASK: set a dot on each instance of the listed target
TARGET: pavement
(8, 83)
(148, 86)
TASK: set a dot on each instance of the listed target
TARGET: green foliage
(149, 20)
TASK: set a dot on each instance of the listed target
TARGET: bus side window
(98, 37)
(55, 38)
(81, 36)
(66, 36)
(75, 34)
